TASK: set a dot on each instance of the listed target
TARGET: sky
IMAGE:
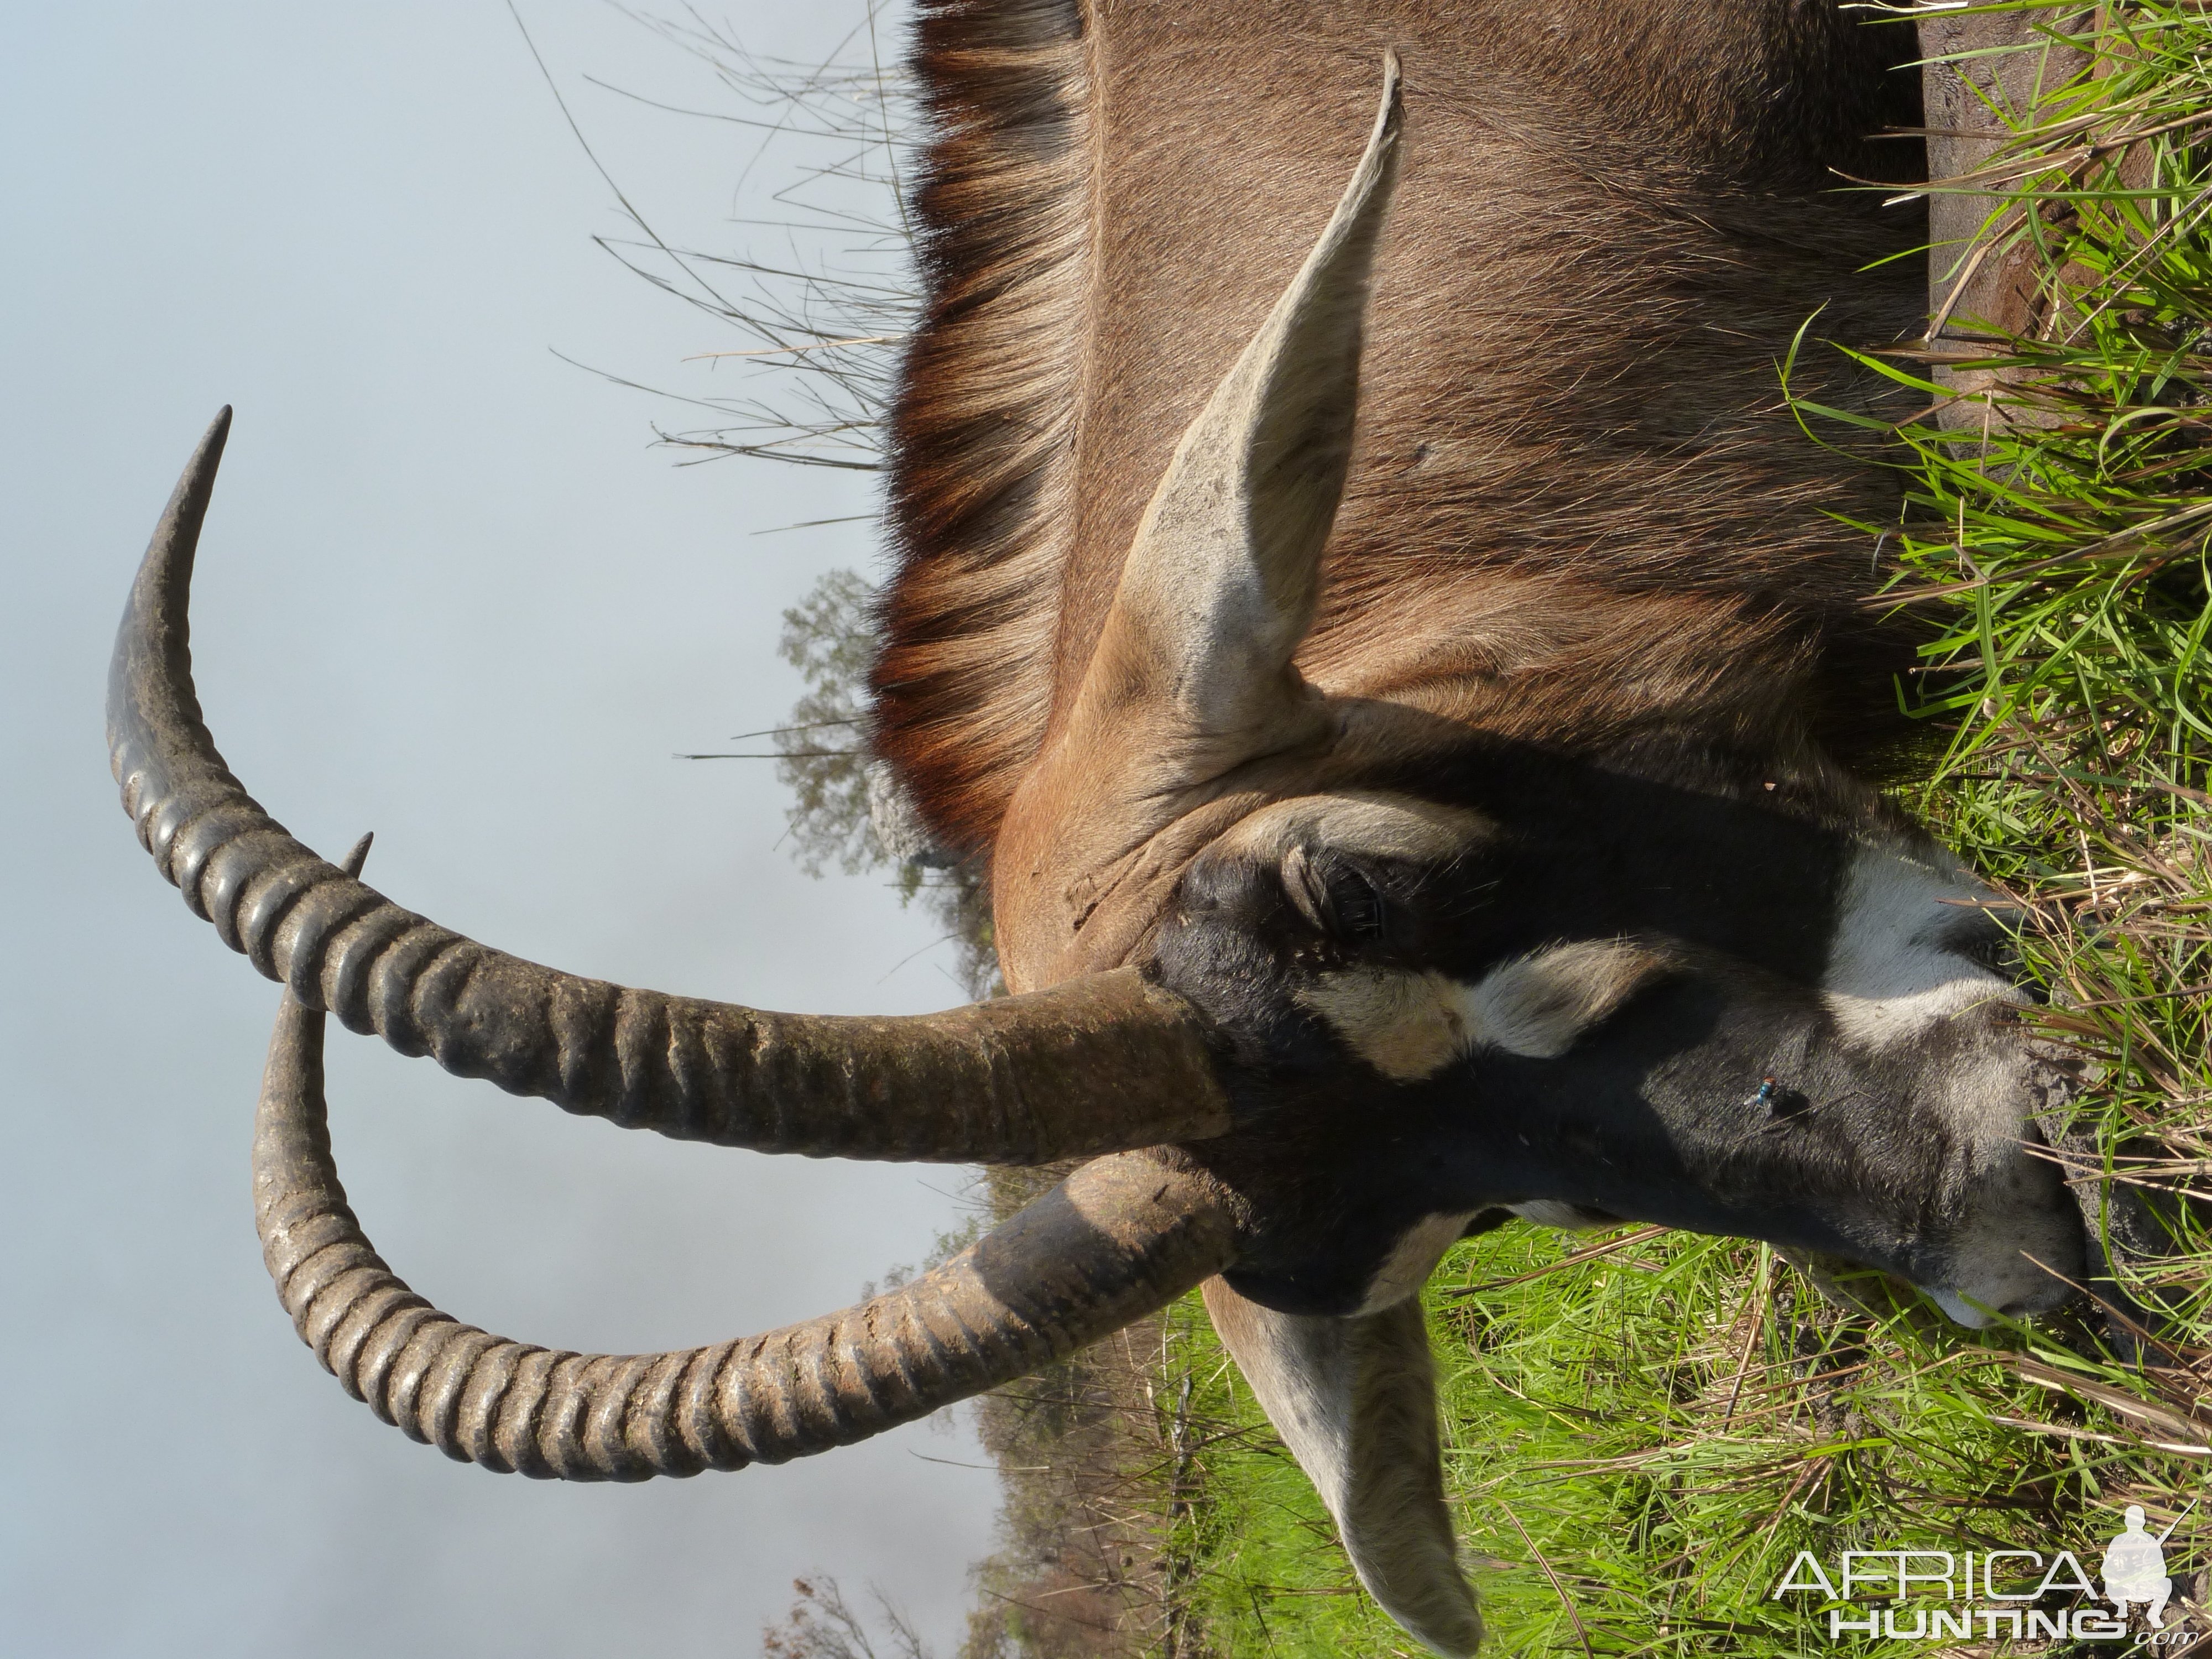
(449, 591)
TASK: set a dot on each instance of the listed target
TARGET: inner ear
(1192, 673)
(1355, 1401)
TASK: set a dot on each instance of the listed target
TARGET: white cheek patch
(1537, 1006)
(1406, 1025)
(1410, 1025)
(1890, 976)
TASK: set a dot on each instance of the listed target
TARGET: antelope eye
(1356, 909)
(1336, 897)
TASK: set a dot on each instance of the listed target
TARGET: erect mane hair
(982, 430)
(1579, 508)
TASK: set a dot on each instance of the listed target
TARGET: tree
(823, 1624)
(846, 808)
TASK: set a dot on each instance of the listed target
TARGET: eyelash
(1358, 911)
(1336, 897)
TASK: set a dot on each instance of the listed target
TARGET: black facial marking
(1662, 1111)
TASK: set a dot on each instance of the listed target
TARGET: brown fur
(984, 427)
(1577, 509)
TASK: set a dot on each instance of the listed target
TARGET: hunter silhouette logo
(1986, 1594)
(2135, 1568)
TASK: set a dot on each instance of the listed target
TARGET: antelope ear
(1355, 1399)
(1220, 586)
(1191, 676)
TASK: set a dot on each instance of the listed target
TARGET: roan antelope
(1391, 641)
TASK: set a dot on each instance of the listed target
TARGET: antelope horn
(1120, 1237)
(1100, 1064)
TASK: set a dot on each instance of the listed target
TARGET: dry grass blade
(2162, 1429)
(1565, 1600)
(1588, 1253)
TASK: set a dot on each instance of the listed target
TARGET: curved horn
(1120, 1237)
(1098, 1065)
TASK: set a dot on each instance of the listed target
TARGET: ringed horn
(1121, 1237)
(1101, 1064)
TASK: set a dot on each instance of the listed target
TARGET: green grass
(1638, 1444)
(1640, 1440)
